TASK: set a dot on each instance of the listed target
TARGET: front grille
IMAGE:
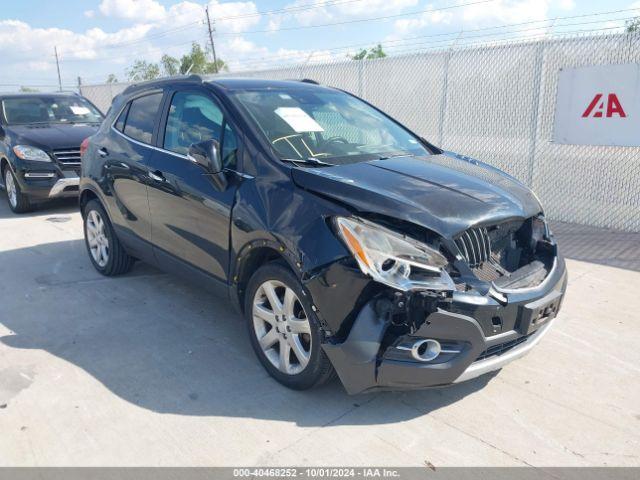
(68, 157)
(488, 271)
(502, 347)
(475, 245)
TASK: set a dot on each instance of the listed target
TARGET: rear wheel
(18, 201)
(284, 330)
(106, 253)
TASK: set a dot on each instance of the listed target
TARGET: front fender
(273, 213)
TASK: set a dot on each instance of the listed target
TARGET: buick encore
(350, 244)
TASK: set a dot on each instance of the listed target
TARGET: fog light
(426, 350)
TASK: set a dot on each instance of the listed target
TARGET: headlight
(395, 260)
(26, 152)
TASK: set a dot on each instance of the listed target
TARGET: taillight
(83, 146)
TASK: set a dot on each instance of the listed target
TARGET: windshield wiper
(394, 155)
(308, 161)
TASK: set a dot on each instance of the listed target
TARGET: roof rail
(163, 81)
(308, 80)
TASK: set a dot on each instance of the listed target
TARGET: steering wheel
(336, 139)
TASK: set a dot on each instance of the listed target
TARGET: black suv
(349, 243)
(40, 137)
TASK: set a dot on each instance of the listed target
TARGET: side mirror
(207, 154)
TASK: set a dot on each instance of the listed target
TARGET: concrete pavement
(147, 369)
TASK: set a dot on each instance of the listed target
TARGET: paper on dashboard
(298, 119)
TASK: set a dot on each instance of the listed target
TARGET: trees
(143, 70)
(370, 54)
(170, 65)
(195, 61)
(633, 26)
(112, 78)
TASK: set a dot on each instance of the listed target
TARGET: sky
(97, 37)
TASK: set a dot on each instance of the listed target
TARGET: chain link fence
(496, 103)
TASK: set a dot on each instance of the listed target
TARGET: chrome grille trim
(68, 157)
(475, 246)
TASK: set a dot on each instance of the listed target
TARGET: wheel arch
(253, 256)
(4, 163)
(86, 196)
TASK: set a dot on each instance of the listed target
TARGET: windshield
(54, 109)
(323, 127)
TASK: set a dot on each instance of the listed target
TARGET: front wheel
(107, 254)
(18, 201)
(284, 330)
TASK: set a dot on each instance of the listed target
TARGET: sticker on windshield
(298, 119)
(77, 110)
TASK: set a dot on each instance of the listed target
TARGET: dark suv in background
(350, 243)
(40, 137)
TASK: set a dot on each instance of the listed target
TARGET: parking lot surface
(148, 369)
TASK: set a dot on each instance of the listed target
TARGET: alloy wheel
(97, 238)
(282, 327)
(10, 185)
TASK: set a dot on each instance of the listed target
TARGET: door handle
(157, 176)
(103, 152)
(116, 166)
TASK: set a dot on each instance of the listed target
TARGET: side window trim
(164, 115)
(127, 106)
(223, 139)
(123, 111)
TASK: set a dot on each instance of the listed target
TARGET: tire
(106, 253)
(18, 201)
(288, 329)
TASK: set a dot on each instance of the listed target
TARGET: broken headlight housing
(539, 229)
(393, 259)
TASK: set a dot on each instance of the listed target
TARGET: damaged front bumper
(477, 334)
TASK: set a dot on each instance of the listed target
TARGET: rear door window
(142, 117)
(120, 121)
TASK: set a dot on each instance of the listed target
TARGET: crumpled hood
(51, 136)
(445, 193)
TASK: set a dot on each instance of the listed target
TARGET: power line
(436, 45)
(398, 42)
(359, 20)
(459, 32)
(292, 9)
(137, 53)
(161, 34)
(186, 26)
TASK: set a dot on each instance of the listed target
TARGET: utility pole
(79, 85)
(55, 50)
(213, 48)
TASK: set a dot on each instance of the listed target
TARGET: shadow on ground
(165, 345)
(61, 206)
(598, 245)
